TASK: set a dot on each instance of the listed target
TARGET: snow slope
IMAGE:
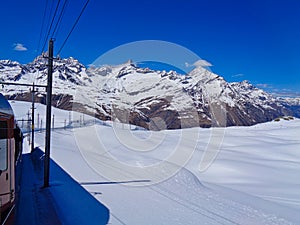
(253, 179)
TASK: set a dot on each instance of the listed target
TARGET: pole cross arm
(20, 84)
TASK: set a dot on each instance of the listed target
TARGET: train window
(3, 130)
(3, 145)
(3, 154)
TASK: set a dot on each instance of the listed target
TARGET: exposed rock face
(152, 99)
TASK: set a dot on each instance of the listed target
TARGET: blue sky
(252, 40)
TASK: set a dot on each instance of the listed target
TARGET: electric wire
(73, 27)
(50, 28)
(48, 23)
(60, 24)
(57, 25)
(42, 26)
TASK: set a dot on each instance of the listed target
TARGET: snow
(252, 177)
(262, 155)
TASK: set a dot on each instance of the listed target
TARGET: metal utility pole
(38, 121)
(28, 126)
(32, 115)
(32, 119)
(48, 114)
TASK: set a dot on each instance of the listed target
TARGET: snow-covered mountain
(151, 99)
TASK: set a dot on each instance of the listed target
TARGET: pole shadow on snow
(115, 182)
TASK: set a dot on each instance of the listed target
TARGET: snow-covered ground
(252, 180)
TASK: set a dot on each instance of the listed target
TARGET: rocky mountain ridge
(148, 98)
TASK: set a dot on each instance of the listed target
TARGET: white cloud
(202, 63)
(264, 85)
(238, 75)
(187, 65)
(285, 93)
(19, 47)
(287, 89)
(91, 65)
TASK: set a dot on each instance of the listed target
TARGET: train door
(5, 168)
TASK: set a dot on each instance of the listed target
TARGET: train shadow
(65, 201)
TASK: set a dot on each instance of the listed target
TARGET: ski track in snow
(185, 198)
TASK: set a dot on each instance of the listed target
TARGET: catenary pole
(48, 115)
(32, 119)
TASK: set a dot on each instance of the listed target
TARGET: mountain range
(148, 98)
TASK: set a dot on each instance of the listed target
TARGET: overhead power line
(46, 23)
(73, 27)
(49, 20)
(59, 18)
(42, 26)
(49, 30)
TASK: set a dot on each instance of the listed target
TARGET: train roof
(5, 106)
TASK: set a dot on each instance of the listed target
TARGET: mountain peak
(143, 94)
(9, 62)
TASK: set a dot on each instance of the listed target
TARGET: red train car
(10, 152)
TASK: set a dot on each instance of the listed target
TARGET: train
(11, 139)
